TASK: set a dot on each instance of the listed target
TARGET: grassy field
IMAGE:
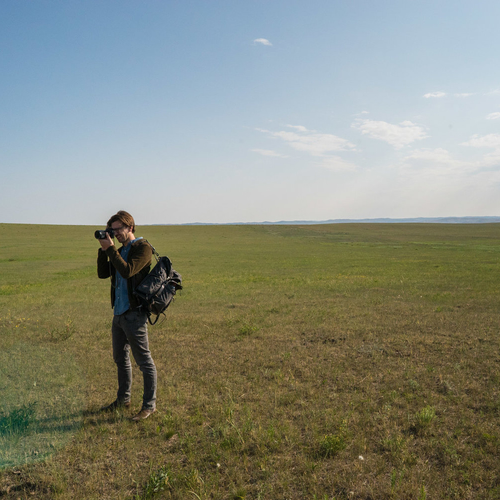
(356, 361)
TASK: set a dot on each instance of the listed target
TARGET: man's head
(123, 225)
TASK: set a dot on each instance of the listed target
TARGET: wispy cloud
(438, 161)
(491, 141)
(434, 94)
(439, 94)
(338, 164)
(313, 143)
(263, 41)
(434, 177)
(485, 141)
(269, 152)
(361, 113)
(317, 145)
(397, 135)
(493, 116)
(438, 155)
(300, 128)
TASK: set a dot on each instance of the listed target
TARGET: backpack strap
(152, 323)
(155, 253)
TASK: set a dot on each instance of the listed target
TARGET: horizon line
(469, 219)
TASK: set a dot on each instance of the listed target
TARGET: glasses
(118, 229)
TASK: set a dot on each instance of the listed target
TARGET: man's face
(121, 231)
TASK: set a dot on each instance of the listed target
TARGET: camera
(101, 235)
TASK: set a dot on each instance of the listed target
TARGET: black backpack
(156, 291)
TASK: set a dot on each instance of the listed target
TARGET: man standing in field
(127, 267)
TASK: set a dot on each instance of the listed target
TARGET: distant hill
(419, 220)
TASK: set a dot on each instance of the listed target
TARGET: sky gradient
(226, 111)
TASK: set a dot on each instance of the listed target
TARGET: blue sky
(224, 111)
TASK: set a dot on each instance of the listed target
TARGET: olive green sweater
(134, 269)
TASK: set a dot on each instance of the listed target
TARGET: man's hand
(106, 242)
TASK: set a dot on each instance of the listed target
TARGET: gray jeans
(130, 331)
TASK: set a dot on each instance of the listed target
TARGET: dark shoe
(115, 405)
(143, 415)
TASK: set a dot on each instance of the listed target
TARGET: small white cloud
(493, 92)
(263, 41)
(397, 135)
(493, 116)
(300, 128)
(434, 94)
(269, 152)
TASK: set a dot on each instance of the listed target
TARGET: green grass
(356, 361)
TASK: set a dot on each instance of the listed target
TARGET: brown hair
(125, 218)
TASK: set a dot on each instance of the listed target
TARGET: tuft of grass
(63, 332)
(18, 421)
(332, 444)
(156, 484)
(247, 329)
(240, 494)
(422, 494)
(424, 418)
